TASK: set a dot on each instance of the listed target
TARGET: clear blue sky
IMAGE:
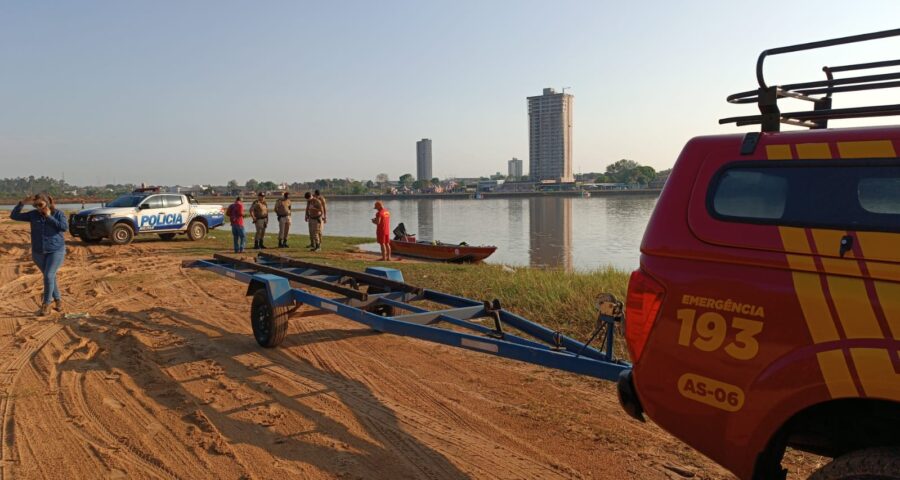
(205, 91)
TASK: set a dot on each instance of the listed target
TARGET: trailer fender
(277, 288)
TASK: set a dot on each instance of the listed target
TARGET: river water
(568, 233)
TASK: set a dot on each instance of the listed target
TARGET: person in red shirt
(235, 214)
(382, 223)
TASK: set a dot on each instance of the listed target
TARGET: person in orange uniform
(382, 223)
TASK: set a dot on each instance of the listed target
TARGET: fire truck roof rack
(819, 93)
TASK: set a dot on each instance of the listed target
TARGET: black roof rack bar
(751, 96)
(798, 95)
(838, 113)
(862, 66)
(819, 92)
(820, 44)
(850, 88)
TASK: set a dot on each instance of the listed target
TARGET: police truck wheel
(269, 323)
(122, 234)
(881, 463)
(196, 230)
(167, 236)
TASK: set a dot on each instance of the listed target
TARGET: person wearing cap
(313, 217)
(48, 245)
(283, 211)
(382, 223)
(259, 213)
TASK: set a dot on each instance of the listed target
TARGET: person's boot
(44, 310)
(284, 243)
(256, 244)
(262, 243)
(57, 305)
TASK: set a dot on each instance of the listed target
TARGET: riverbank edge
(419, 196)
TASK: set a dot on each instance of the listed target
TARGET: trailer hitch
(610, 313)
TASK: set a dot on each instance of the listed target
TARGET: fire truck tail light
(645, 296)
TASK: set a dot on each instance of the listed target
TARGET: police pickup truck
(146, 211)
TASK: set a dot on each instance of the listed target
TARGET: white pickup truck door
(160, 214)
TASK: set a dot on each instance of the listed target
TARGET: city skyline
(167, 92)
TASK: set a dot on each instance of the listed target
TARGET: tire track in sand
(11, 363)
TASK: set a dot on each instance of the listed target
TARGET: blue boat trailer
(380, 299)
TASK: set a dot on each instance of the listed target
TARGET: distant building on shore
(514, 169)
(423, 159)
(550, 136)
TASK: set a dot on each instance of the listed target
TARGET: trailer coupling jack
(610, 312)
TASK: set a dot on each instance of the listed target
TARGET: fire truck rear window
(846, 195)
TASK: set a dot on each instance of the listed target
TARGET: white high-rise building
(514, 169)
(550, 136)
(423, 159)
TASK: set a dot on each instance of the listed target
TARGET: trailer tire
(196, 230)
(167, 236)
(381, 310)
(122, 234)
(882, 463)
(269, 323)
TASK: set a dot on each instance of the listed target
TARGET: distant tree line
(628, 172)
(21, 186)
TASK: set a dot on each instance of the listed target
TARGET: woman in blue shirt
(48, 246)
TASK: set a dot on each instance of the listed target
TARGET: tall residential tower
(514, 169)
(550, 136)
(423, 159)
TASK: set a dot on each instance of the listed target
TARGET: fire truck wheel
(269, 323)
(882, 463)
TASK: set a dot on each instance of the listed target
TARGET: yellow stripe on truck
(879, 245)
(889, 298)
(779, 152)
(794, 240)
(876, 372)
(867, 149)
(851, 300)
(815, 310)
(811, 151)
(837, 375)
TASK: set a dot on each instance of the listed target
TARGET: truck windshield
(126, 201)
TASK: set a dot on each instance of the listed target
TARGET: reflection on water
(550, 232)
(569, 233)
(425, 216)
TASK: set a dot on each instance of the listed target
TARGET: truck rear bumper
(628, 397)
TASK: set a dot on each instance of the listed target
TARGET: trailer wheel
(881, 463)
(122, 234)
(196, 230)
(269, 323)
(382, 310)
